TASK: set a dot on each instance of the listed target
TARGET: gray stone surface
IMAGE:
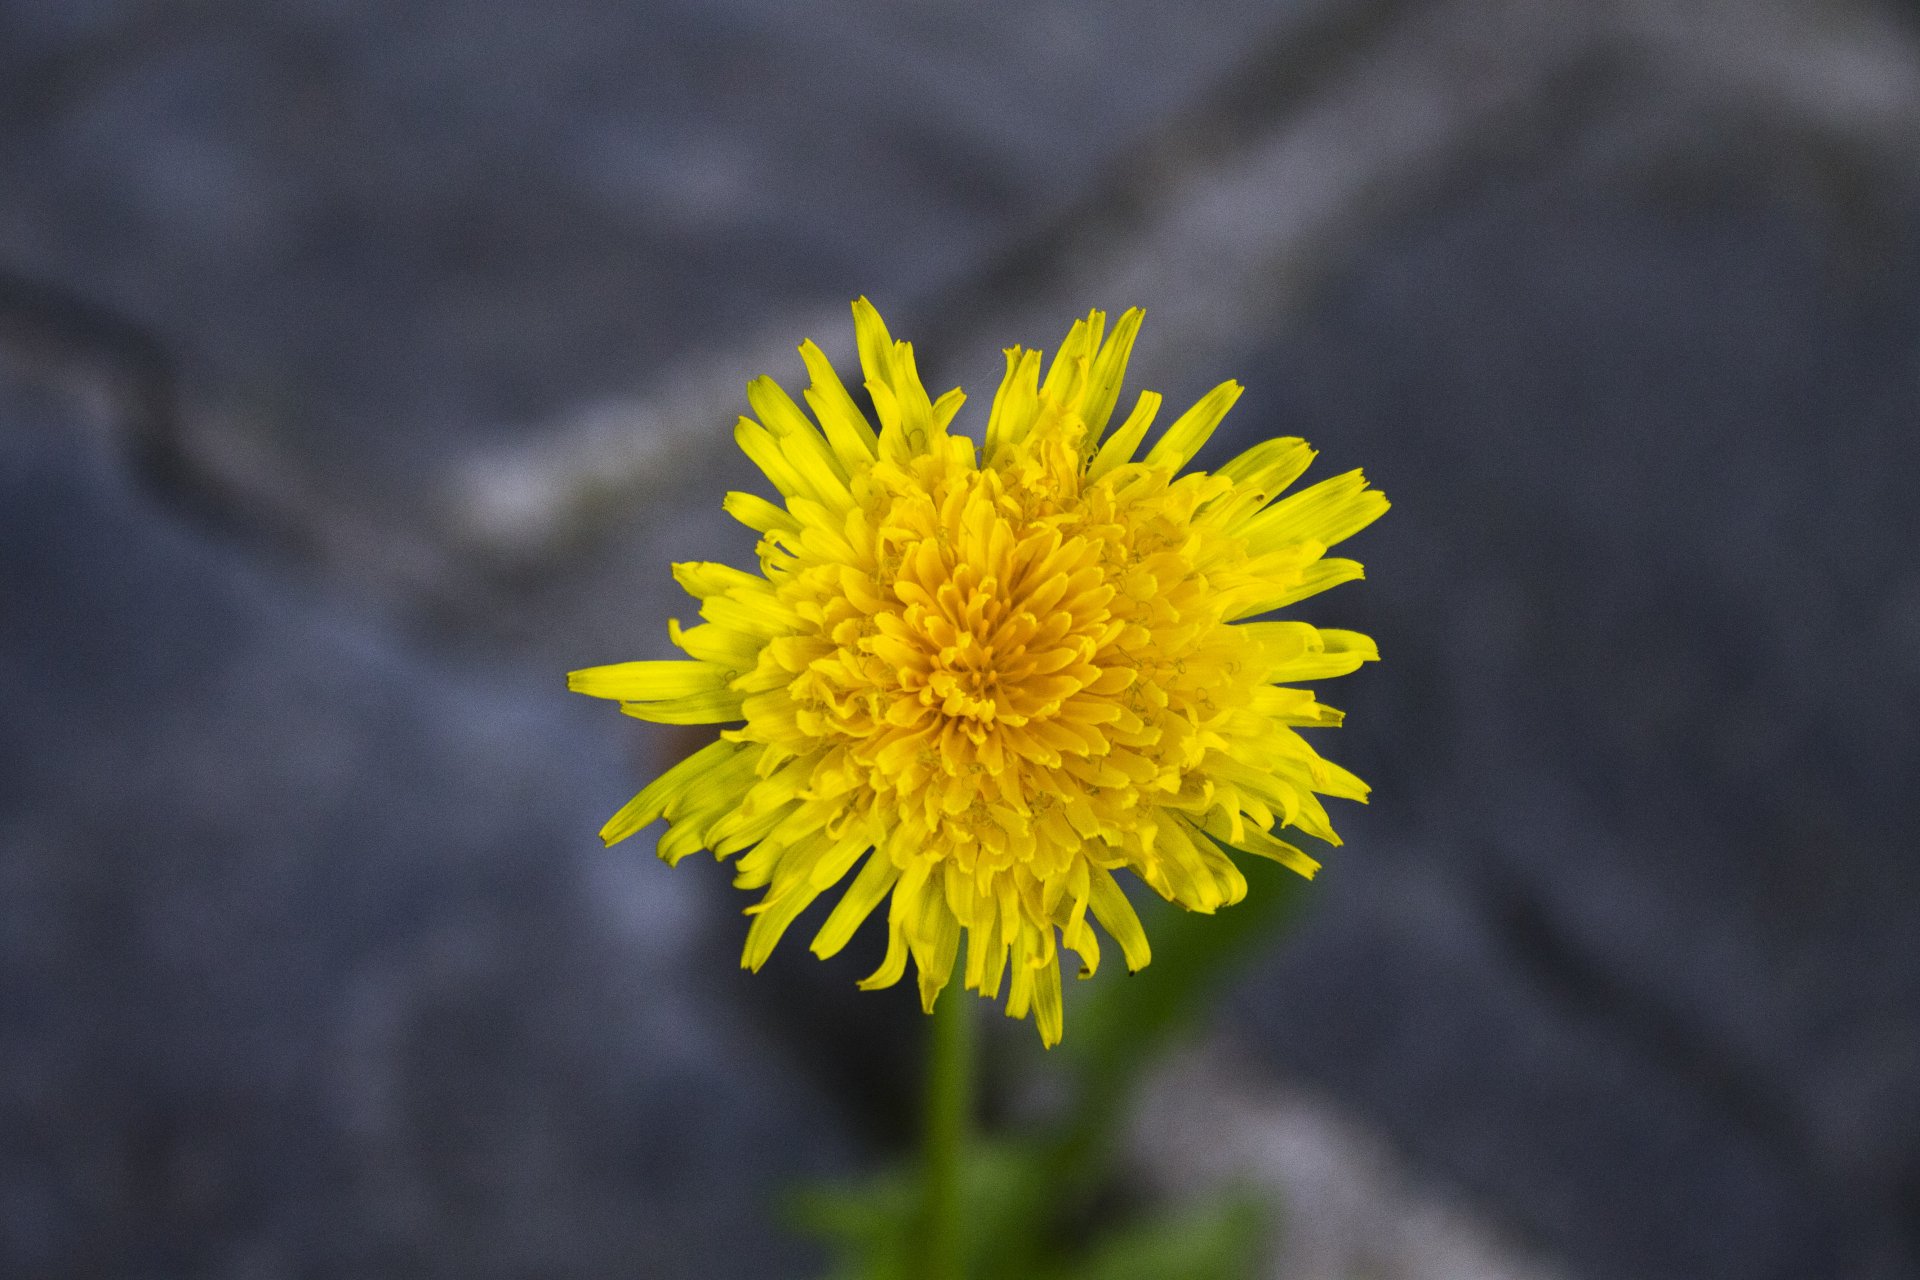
(1210, 1123)
(309, 962)
(380, 235)
(1647, 406)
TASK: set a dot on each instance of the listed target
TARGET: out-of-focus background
(364, 362)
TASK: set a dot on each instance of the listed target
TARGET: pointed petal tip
(611, 835)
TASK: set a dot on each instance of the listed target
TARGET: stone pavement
(363, 364)
(311, 963)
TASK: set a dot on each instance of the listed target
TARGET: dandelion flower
(980, 680)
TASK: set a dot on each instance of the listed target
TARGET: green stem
(949, 1107)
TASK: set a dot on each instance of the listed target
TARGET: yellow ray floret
(974, 683)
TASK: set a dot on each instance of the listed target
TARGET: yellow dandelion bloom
(981, 679)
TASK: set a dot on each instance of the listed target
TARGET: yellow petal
(866, 892)
(1109, 371)
(1015, 404)
(642, 681)
(1049, 1015)
(1191, 429)
(1328, 512)
(653, 800)
(876, 344)
(1264, 843)
(771, 917)
(1120, 446)
(1116, 916)
(847, 429)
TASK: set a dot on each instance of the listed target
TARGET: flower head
(989, 677)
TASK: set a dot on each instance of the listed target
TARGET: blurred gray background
(364, 362)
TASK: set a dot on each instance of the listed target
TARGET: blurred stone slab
(378, 237)
(1343, 1203)
(1212, 222)
(1645, 400)
(310, 964)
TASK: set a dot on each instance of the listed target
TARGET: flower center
(964, 680)
(1012, 669)
(957, 637)
(986, 652)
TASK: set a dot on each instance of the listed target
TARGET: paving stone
(1210, 1124)
(310, 963)
(1646, 408)
(377, 236)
